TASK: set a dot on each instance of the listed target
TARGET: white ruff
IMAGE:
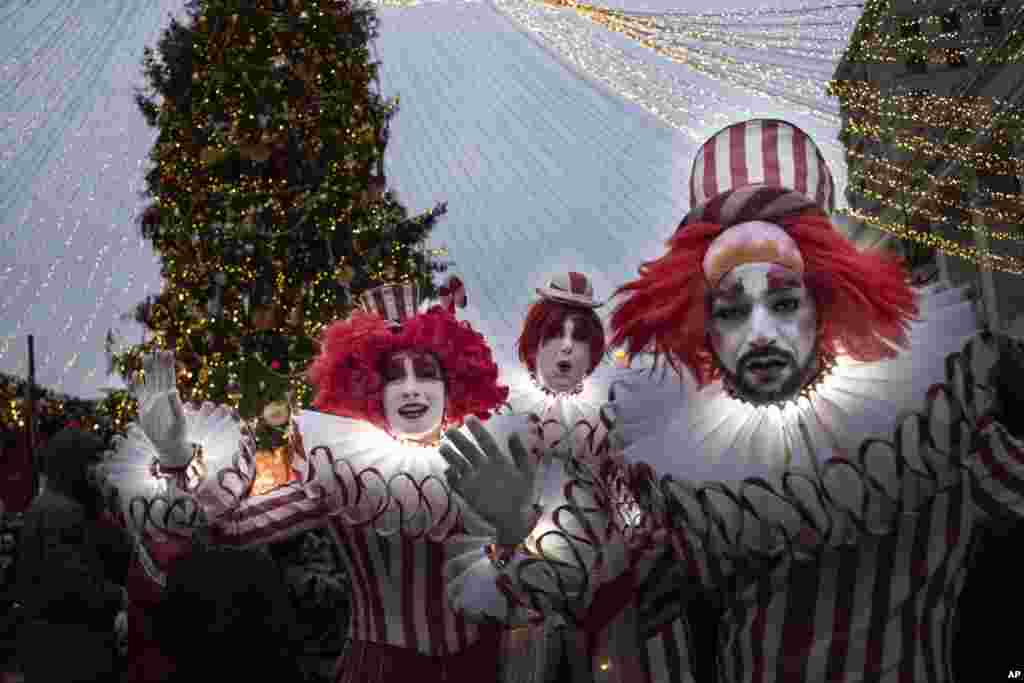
(391, 485)
(579, 413)
(129, 468)
(708, 435)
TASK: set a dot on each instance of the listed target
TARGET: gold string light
(982, 257)
(972, 135)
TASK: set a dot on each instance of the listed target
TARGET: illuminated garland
(872, 43)
(970, 115)
(54, 411)
(903, 194)
(665, 32)
(983, 258)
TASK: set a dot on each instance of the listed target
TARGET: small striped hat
(396, 302)
(758, 170)
(570, 288)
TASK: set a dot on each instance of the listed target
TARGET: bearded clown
(820, 451)
(389, 380)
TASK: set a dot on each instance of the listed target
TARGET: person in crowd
(227, 616)
(66, 563)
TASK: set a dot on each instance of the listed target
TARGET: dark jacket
(62, 571)
(68, 569)
(221, 606)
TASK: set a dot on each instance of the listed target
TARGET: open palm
(498, 488)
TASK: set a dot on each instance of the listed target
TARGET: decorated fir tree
(270, 211)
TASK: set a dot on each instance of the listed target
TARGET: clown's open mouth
(767, 369)
(564, 367)
(413, 411)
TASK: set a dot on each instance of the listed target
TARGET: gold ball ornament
(276, 414)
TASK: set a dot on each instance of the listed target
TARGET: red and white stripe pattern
(758, 170)
(398, 593)
(393, 302)
(398, 582)
(453, 294)
(880, 610)
(668, 654)
(571, 288)
(577, 284)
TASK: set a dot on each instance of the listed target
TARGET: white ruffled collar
(579, 413)
(402, 486)
(707, 434)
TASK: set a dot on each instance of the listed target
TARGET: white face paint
(763, 330)
(563, 358)
(414, 394)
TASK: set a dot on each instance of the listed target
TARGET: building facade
(928, 50)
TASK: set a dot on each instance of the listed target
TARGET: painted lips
(413, 411)
(564, 367)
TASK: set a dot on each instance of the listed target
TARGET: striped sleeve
(988, 366)
(998, 469)
(274, 516)
(967, 424)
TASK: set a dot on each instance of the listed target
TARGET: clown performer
(389, 380)
(561, 345)
(582, 551)
(825, 452)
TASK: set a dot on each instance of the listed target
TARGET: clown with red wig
(561, 378)
(820, 445)
(390, 380)
(579, 547)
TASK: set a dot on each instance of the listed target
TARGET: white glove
(498, 488)
(160, 411)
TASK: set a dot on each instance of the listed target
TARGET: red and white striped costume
(402, 623)
(610, 599)
(398, 589)
(852, 573)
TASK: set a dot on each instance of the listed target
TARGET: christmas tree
(270, 210)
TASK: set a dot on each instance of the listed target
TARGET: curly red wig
(545, 319)
(347, 373)
(864, 299)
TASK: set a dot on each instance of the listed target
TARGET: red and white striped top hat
(758, 170)
(570, 288)
(395, 302)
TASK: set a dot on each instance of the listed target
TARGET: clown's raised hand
(160, 411)
(499, 488)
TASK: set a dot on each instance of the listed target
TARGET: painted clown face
(414, 394)
(762, 331)
(563, 357)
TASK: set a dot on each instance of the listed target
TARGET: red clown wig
(864, 300)
(347, 372)
(544, 321)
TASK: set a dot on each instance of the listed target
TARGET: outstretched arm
(568, 559)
